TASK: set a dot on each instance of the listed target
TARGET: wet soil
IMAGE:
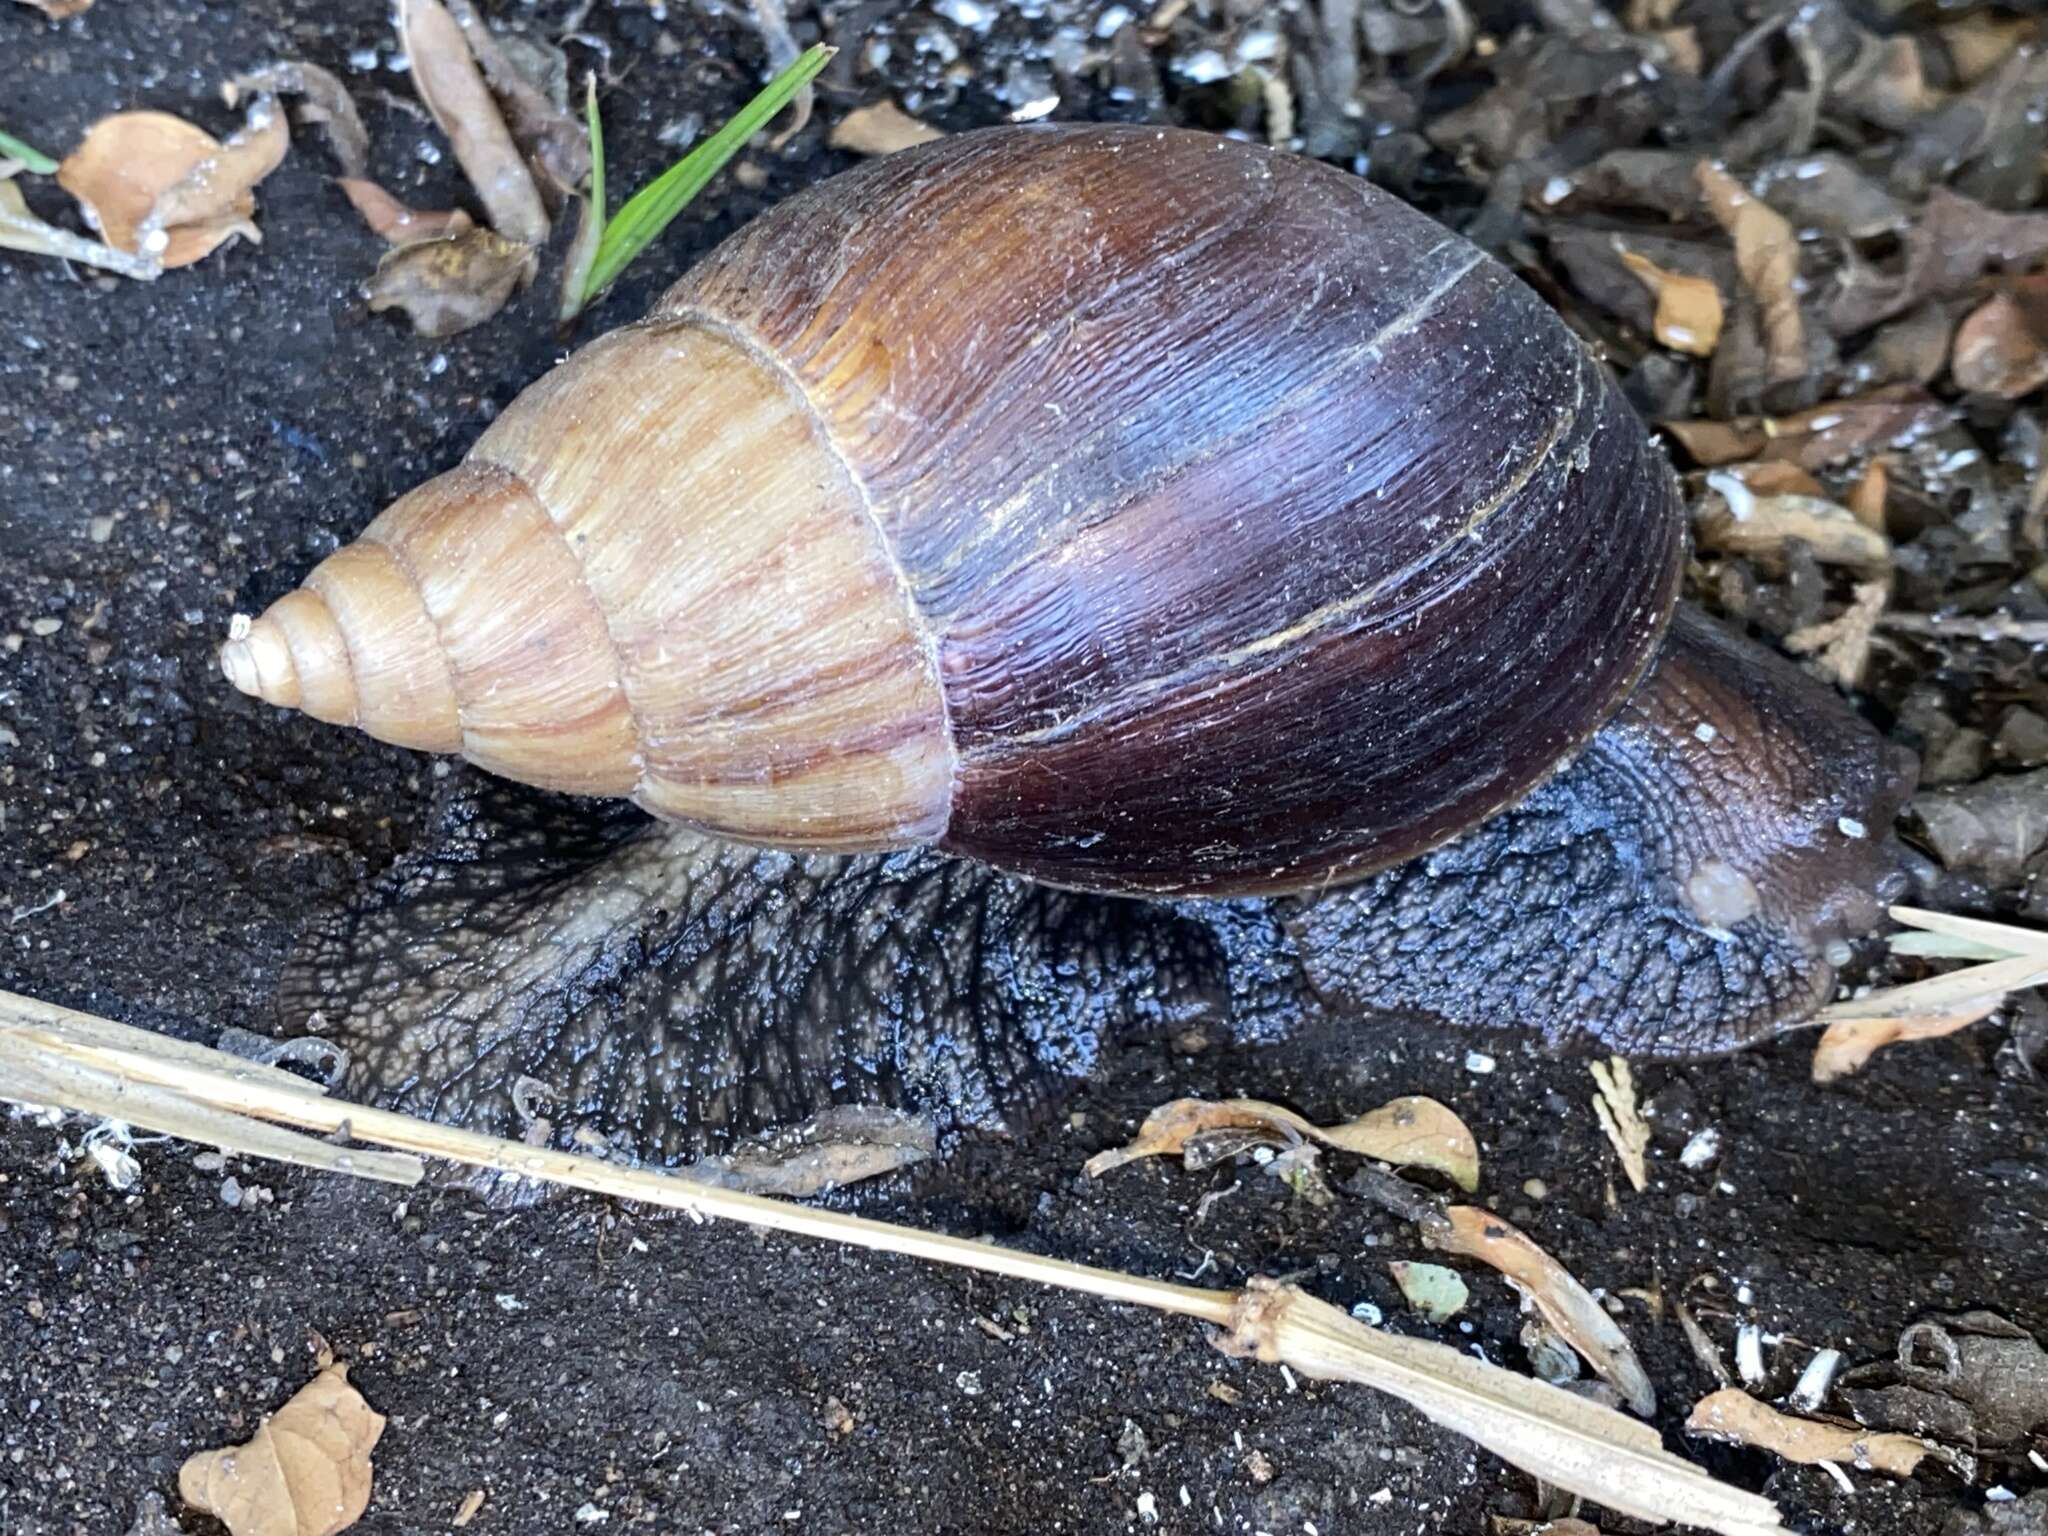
(173, 453)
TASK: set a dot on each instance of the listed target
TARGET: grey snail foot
(1675, 890)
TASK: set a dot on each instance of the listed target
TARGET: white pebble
(1704, 1147)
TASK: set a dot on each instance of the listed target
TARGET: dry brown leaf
(1732, 1414)
(447, 286)
(1891, 416)
(1712, 444)
(1767, 255)
(1770, 477)
(218, 188)
(58, 10)
(447, 78)
(1848, 1044)
(1859, 1027)
(128, 162)
(306, 1472)
(1979, 44)
(881, 129)
(548, 135)
(1844, 640)
(1503, 1525)
(1553, 1291)
(2001, 348)
(1615, 1108)
(397, 224)
(1738, 522)
(1867, 497)
(1689, 310)
(1410, 1132)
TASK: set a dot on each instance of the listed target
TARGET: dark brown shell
(1265, 532)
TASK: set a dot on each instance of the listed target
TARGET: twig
(1990, 627)
(1554, 1435)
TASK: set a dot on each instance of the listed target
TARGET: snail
(1036, 519)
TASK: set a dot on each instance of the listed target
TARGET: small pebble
(1479, 1062)
(1702, 1149)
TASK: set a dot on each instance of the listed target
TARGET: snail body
(1131, 510)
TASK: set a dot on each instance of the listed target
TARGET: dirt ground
(175, 452)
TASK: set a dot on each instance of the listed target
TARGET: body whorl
(1131, 509)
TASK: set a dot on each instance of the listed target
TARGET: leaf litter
(306, 1472)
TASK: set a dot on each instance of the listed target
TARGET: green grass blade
(649, 211)
(12, 148)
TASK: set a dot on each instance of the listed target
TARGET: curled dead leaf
(1553, 1291)
(398, 224)
(326, 103)
(1410, 1132)
(445, 74)
(1866, 499)
(1689, 312)
(1848, 1044)
(551, 139)
(447, 286)
(1732, 1414)
(836, 1147)
(1736, 521)
(2001, 348)
(1767, 255)
(306, 1471)
(218, 187)
(128, 163)
(880, 129)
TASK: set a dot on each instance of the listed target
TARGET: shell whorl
(649, 579)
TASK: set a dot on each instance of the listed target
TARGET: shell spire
(651, 579)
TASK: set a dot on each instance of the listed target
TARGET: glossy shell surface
(1134, 510)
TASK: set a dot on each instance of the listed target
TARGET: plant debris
(880, 129)
(306, 1472)
(157, 186)
(446, 286)
(1859, 1027)
(395, 223)
(1689, 309)
(1767, 255)
(445, 73)
(1732, 1414)
(1972, 1379)
(839, 1146)
(1437, 1293)
(546, 132)
(1615, 1107)
(2002, 347)
(21, 230)
(59, 10)
(326, 104)
(1408, 1132)
(1547, 1286)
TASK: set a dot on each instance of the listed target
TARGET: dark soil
(176, 452)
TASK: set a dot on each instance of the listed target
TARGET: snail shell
(1134, 510)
